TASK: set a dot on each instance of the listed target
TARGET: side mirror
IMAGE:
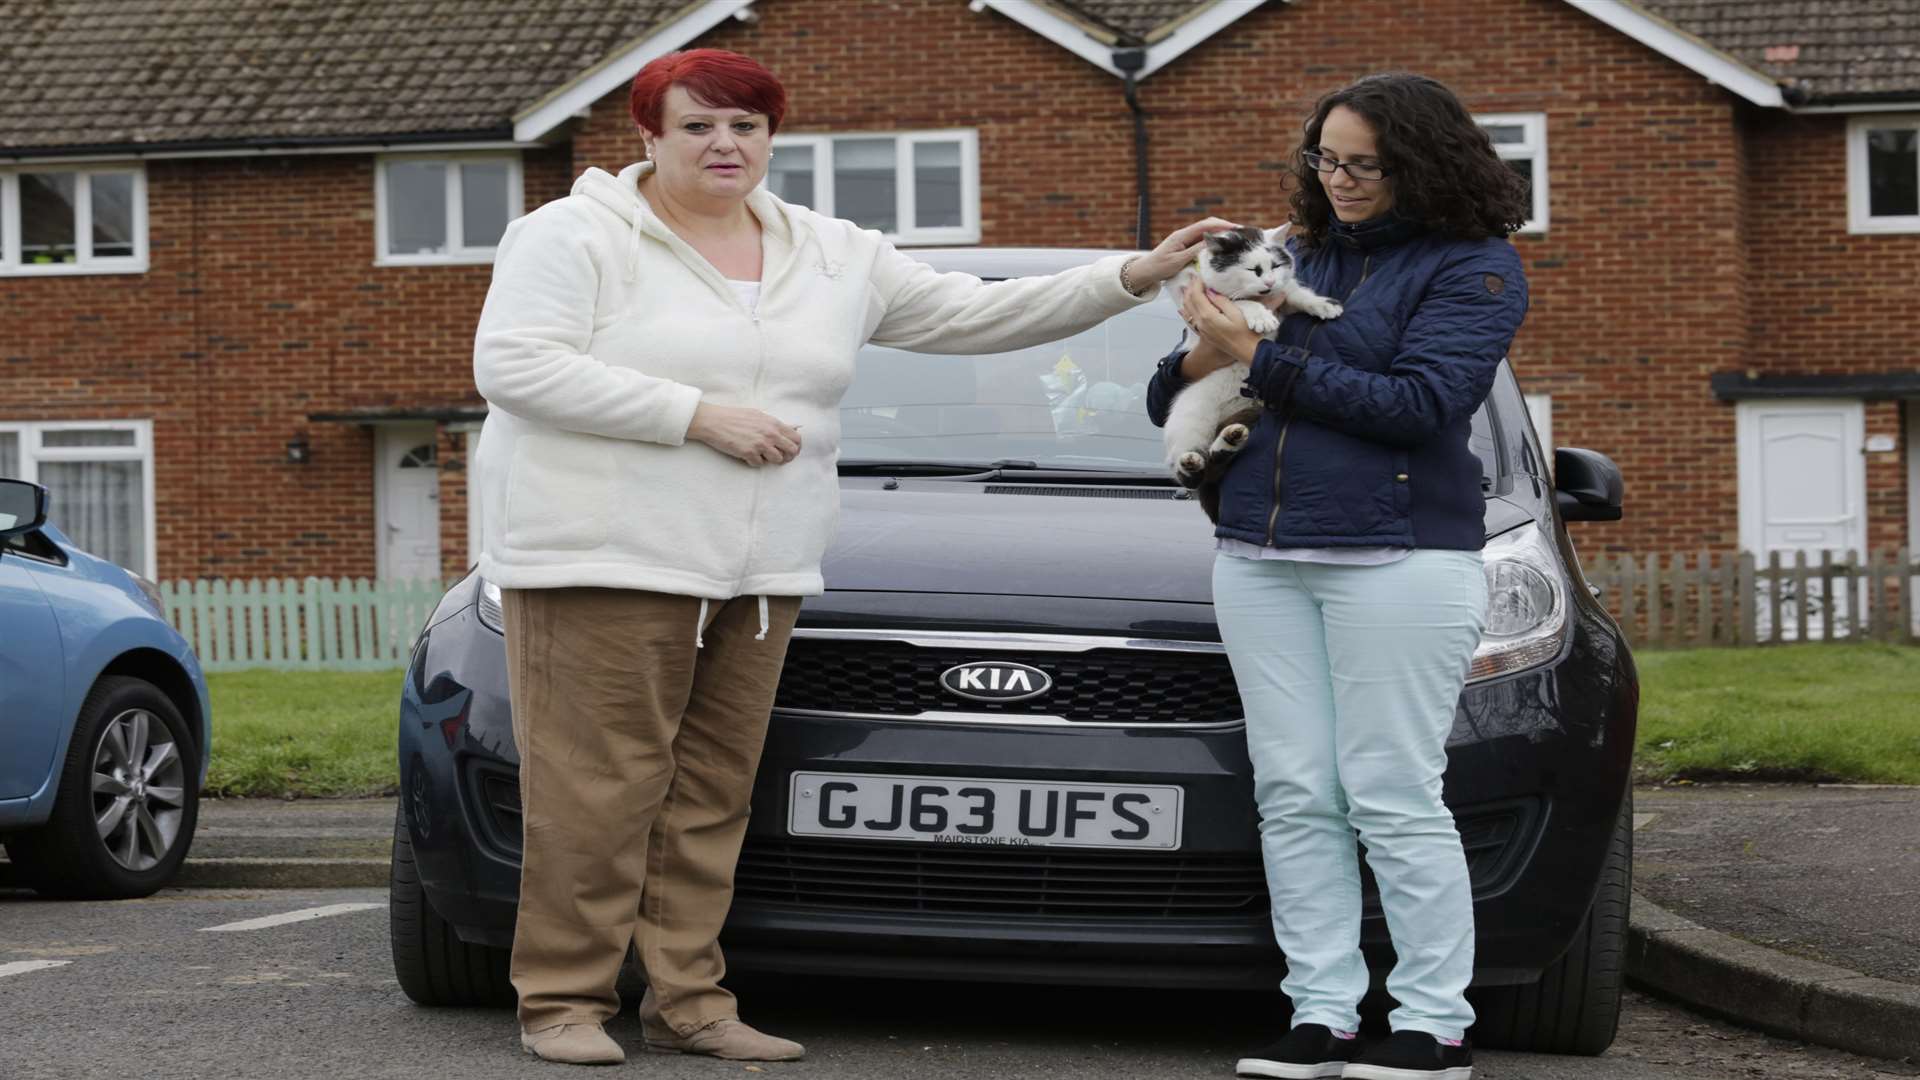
(23, 507)
(1587, 485)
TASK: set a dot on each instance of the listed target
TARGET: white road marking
(303, 915)
(21, 967)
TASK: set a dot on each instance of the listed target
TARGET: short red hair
(715, 77)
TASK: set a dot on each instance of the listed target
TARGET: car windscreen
(1076, 403)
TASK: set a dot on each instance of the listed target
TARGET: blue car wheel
(128, 801)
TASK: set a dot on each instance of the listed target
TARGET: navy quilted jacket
(1363, 440)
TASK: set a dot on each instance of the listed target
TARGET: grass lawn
(1789, 712)
(1792, 712)
(280, 734)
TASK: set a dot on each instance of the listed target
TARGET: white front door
(1803, 487)
(407, 492)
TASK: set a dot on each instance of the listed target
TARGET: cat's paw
(1187, 469)
(1264, 323)
(1324, 309)
(1231, 437)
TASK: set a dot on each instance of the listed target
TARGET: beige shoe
(573, 1044)
(729, 1039)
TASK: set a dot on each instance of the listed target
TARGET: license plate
(953, 810)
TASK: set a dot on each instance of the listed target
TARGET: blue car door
(33, 710)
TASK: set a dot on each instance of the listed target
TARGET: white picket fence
(348, 624)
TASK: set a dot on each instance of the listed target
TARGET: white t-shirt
(1331, 556)
(747, 291)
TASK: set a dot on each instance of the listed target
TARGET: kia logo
(996, 681)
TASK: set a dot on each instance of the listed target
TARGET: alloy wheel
(139, 783)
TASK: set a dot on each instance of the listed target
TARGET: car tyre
(132, 772)
(1575, 1007)
(434, 966)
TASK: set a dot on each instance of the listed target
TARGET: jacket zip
(1280, 444)
(759, 375)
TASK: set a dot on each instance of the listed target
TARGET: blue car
(104, 718)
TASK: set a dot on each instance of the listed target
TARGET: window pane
(10, 454)
(1893, 173)
(936, 185)
(87, 437)
(483, 203)
(864, 183)
(112, 215)
(1506, 134)
(46, 218)
(98, 503)
(416, 207)
(790, 175)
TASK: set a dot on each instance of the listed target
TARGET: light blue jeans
(1349, 676)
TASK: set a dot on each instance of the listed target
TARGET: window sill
(70, 269)
(1891, 226)
(478, 258)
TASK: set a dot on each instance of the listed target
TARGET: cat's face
(1244, 263)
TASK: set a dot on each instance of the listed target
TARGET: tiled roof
(119, 72)
(1831, 50)
(1137, 20)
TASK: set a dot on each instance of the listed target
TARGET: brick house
(242, 250)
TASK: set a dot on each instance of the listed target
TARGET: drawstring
(699, 629)
(633, 247)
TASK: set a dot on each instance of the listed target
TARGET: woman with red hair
(652, 349)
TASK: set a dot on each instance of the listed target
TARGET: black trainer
(1308, 1052)
(1411, 1055)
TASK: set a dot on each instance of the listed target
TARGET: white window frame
(1534, 148)
(32, 455)
(85, 262)
(1859, 201)
(457, 253)
(967, 232)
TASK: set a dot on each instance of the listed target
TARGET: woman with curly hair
(1349, 587)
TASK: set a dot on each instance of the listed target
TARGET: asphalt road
(146, 989)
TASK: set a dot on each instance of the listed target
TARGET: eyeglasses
(1365, 172)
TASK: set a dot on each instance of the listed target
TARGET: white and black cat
(1209, 419)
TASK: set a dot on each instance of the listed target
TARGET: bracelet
(1126, 282)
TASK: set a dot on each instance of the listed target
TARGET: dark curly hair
(1443, 168)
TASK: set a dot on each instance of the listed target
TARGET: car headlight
(1526, 605)
(153, 593)
(489, 607)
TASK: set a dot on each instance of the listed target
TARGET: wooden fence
(1733, 599)
(316, 623)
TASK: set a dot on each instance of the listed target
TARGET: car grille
(1105, 685)
(877, 877)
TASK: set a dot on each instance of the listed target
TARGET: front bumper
(1537, 771)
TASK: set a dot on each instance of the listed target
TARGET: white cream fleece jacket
(602, 332)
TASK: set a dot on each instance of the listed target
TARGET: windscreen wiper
(1003, 468)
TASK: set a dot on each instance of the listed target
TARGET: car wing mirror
(23, 507)
(1587, 485)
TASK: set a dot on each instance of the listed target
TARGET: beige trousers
(637, 756)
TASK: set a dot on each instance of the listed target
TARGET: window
(443, 209)
(99, 476)
(56, 220)
(1883, 174)
(1521, 141)
(1540, 411)
(920, 187)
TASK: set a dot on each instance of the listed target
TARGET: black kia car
(1007, 744)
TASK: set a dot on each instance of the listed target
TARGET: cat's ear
(1276, 237)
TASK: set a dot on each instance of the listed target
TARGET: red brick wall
(263, 303)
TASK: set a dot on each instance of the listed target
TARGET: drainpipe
(1130, 61)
